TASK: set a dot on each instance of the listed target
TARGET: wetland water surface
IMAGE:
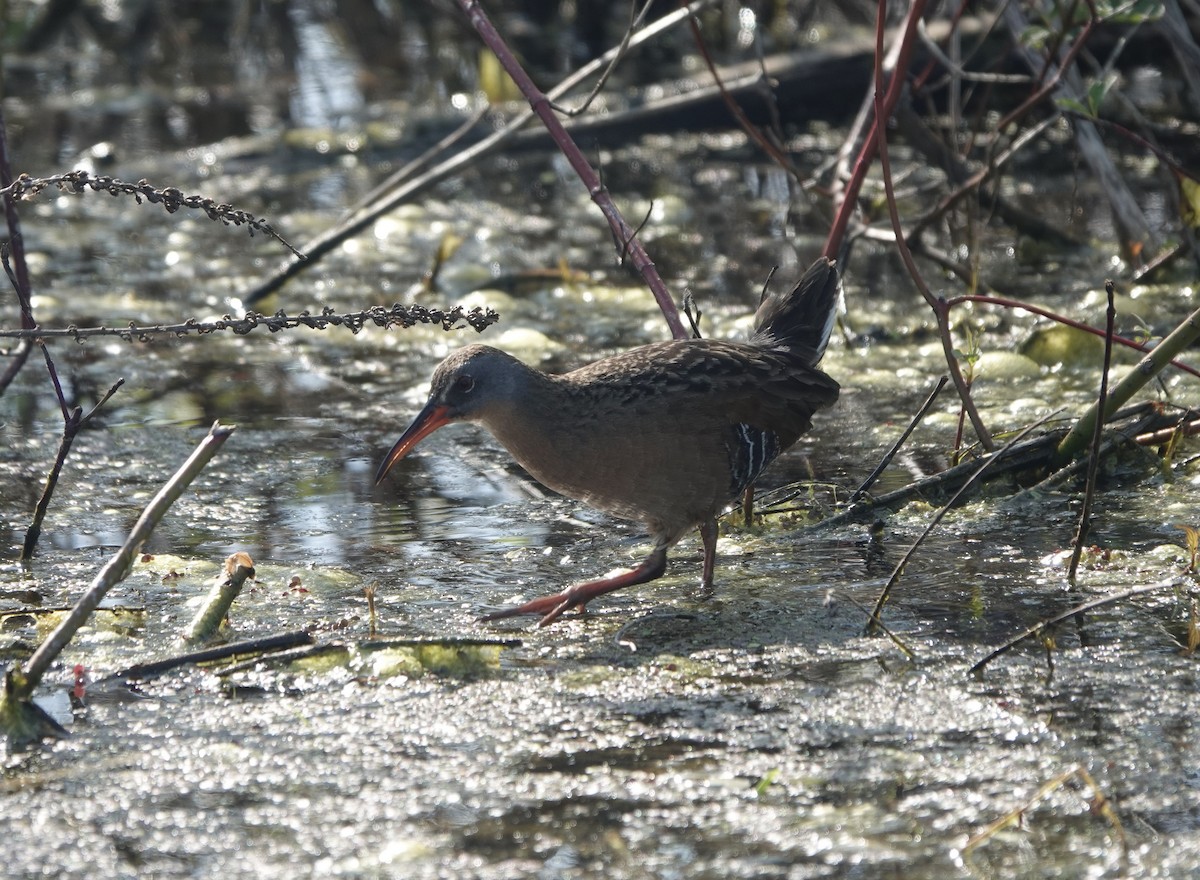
(754, 733)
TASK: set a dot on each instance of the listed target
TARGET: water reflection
(326, 93)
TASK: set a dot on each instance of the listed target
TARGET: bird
(666, 434)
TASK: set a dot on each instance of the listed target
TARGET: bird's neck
(547, 427)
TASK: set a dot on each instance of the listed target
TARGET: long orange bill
(428, 420)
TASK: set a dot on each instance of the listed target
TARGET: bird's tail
(800, 321)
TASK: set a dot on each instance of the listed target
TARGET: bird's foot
(550, 607)
(553, 607)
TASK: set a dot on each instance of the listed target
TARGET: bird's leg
(708, 536)
(552, 607)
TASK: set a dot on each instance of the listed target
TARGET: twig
(882, 110)
(624, 236)
(266, 645)
(73, 419)
(879, 109)
(895, 639)
(21, 277)
(16, 360)
(15, 243)
(636, 19)
(1043, 625)
(414, 166)
(876, 620)
(973, 183)
(772, 150)
(891, 453)
(21, 681)
(1089, 489)
(1098, 805)
(1065, 321)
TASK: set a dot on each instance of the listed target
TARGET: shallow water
(752, 733)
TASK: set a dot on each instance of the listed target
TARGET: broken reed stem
(30, 674)
(1089, 488)
(238, 568)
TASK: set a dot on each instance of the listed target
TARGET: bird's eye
(464, 385)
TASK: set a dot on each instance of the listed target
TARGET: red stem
(624, 234)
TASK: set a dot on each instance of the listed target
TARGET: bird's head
(466, 387)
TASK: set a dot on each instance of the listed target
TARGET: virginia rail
(667, 434)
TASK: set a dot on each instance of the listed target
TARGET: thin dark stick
(875, 621)
(374, 644)
(21, 355)
(891, 453)
(778, 156)
(1043, 625)
(73, 420)
(1089, 490)
(266, 645)
(636, 19)
(414, 166)
(16, 361)
(70, 428)
(895, 639)
(15, 243)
